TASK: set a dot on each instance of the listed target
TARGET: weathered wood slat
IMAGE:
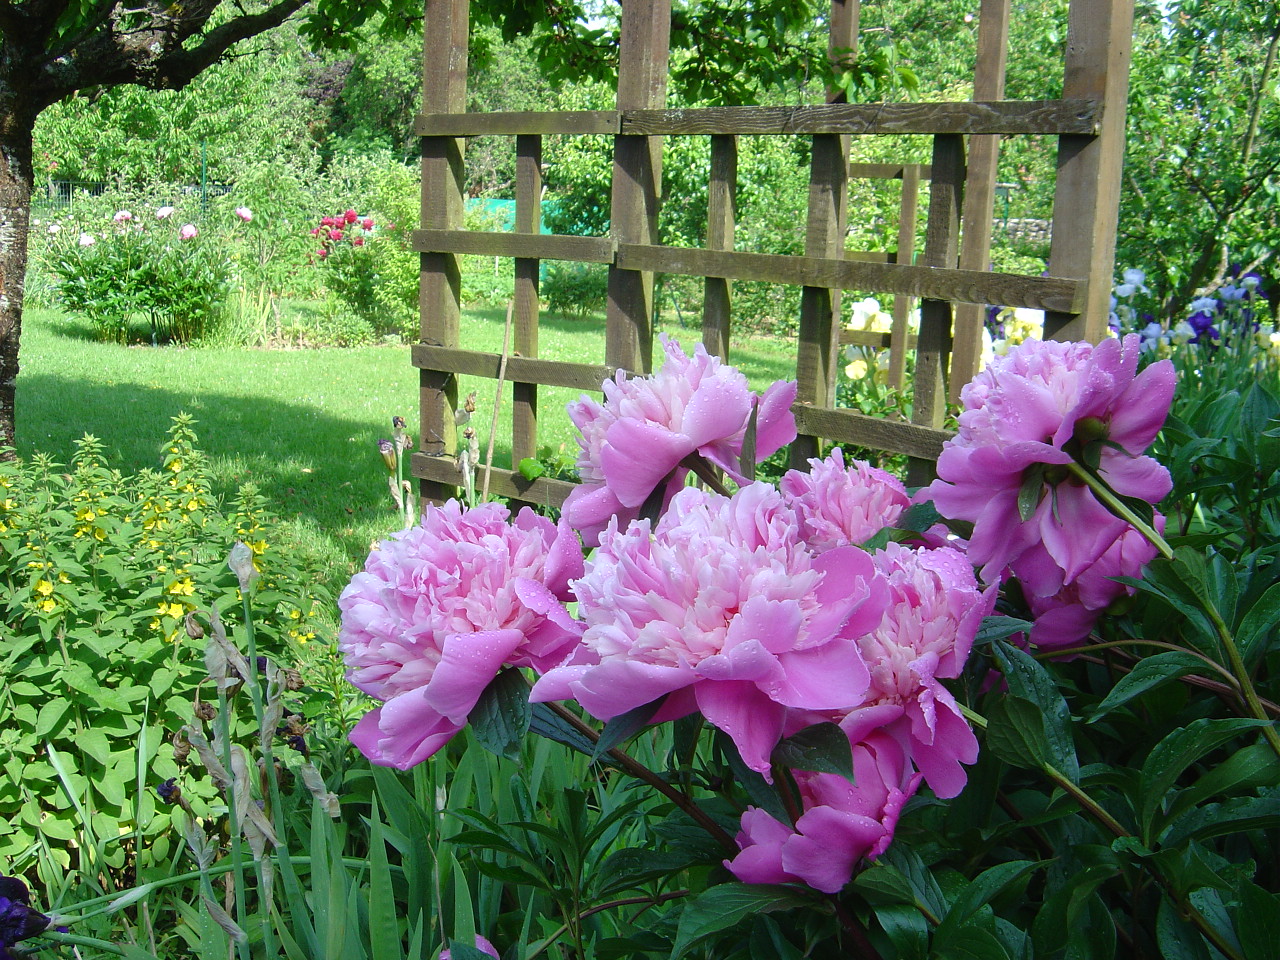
(998, 116)
(503, 483)
(477, 363)
(895, 436)
(540, 246)
(524, 396)
(722, 215)
(872, 338)
(515, 123)
(968, 286)
(887, 171)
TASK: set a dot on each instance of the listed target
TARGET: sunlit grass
(301, 424)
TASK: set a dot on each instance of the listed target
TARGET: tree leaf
(623, 726)
(1172, 755)
(1148, 674)
(822, 748)
(501, 717)
(1028, 679)
(727, 905)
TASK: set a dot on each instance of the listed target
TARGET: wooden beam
(516, 124)
(979, 192)
(444, 471)
(477, 363)
(524, 413)
(970, 286)
(722, 215)
(1087, 198)
(1076, 116)
(896, 436)
(542, 246)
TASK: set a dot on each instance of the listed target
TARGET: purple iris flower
(17, 920)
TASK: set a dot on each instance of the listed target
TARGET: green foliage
(574, 289)
(150, 266)
(100, 575)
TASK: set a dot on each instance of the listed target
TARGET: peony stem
(1120, 509)
(638, 770)
(1236, 662)
(1138, 641)
(546, 943)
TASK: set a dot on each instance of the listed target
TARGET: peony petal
(752, 721)
(402, 732)
(830, 677)
(468, 663)
(637, 456)
(827, 846)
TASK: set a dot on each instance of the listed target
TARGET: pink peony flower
(1027, 414)
(841, 824)
(841, 505)
(358, 242)
(367, 223)
(440, 609)
(483, 945)
(350, 216)
(122, 216)
(934, 612)
(164, 213)
(322, 253)
(335, 235)
(244, 213)
(87, 240)
(721, 610)
(330, 221)
(635, 441)
(1066, 618)
(188, 231)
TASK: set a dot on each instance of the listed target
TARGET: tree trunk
(15, 221)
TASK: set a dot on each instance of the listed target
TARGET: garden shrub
(575, 289)
(106, 582)
(146, 266)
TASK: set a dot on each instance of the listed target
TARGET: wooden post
(946, 193)
(818, 350)
(899, 332)
(979, 191)
(444, 90)
(1087, 200)
(524, 422)
(637, 181)
(722, 213)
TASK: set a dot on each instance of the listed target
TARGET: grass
(301, 424)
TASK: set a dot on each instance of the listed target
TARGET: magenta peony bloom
(635, 441)
(1066, 618)
(366, 223)
(440, 609)
(350, 216)
(935, 610)
(358, 242)
(335, 235)
(725, 610)
(841, 505)
(188, 231)
(1027, 414)
(841, 824)
(244, 213)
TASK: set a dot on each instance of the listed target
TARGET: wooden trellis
(949, 276)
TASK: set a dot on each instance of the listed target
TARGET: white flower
(164, 213)
(87, 240)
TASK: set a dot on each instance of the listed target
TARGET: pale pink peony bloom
(87, 240)
(122, 216)
(1066, 618)
(483, 945)
(440, 609)
(934, 612)
(1029, 413)
(55, 228)
(188, 231)
(842, 823)
(634, 442)
(164, 213)
(841, 505)
(724, 609)
(244, 213)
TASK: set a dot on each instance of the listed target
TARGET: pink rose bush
(440, 609)
(639, 438)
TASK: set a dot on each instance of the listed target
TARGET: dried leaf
(221, 778)
(315, 783)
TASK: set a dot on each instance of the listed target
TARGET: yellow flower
(175, 610)
(182, 588)
(175, 464)
(47, 605)
(44, 587)
(295, 614)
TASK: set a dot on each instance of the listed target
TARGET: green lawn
(302, 424)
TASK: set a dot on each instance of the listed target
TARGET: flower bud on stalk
(241, 563)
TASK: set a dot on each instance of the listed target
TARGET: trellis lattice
(948, 276)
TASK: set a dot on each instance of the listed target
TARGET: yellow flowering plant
(101, 577)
